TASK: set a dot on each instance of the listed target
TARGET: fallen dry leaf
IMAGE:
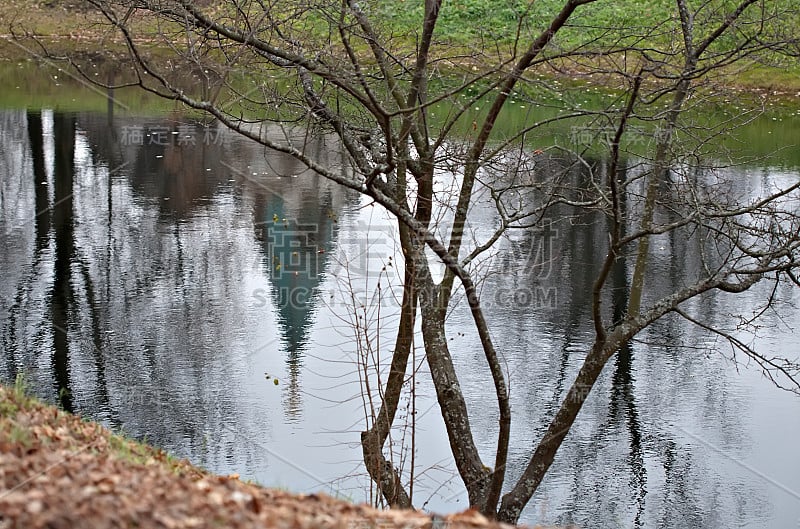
(67, 474)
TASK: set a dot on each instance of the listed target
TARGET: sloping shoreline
(59, 470)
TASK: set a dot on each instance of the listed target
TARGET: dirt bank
(60, 471)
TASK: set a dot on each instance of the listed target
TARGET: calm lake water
(187, 287)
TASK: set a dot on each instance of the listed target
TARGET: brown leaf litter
(58, 471)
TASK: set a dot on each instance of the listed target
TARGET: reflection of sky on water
(163, 271)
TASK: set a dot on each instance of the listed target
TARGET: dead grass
(26, 424)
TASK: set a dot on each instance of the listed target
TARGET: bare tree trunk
(515, 500)
(448, 392)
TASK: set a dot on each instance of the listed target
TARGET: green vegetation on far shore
(467, 25)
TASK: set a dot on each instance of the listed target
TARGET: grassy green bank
(28, 425)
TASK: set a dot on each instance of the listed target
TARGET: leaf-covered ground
(60, 471)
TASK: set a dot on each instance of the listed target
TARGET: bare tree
(339, 67)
